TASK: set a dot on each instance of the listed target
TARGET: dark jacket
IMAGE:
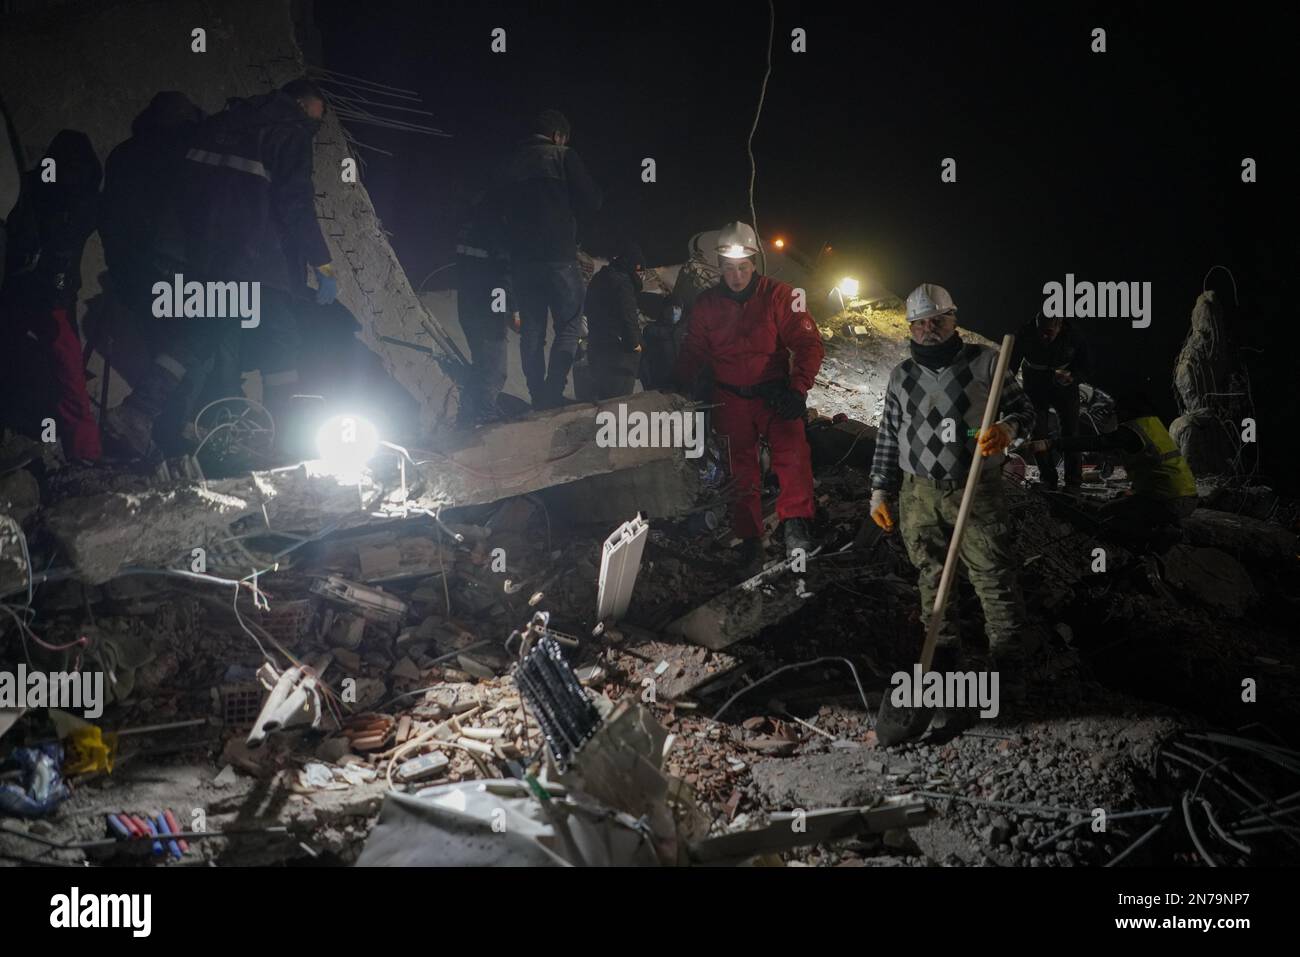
(140, 208)
(663, 341)
(1069, 350)
(483, 261)
(613, 322)
(49, 225)
(545, 189)
(251, 206)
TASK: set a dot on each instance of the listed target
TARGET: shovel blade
(895, 725)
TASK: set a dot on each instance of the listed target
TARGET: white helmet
(737, 241)
(928, 300)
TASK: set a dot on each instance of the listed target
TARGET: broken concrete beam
(104, 533)
(158, 528)
(1238, 534)
(550, 448)
(739, 612)
(788, 830)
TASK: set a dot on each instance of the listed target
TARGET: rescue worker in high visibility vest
(764, 352)
(1163, 487)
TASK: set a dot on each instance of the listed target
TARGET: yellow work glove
(881, 513)
(995, 439)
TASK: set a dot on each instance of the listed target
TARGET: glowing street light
(779, 243)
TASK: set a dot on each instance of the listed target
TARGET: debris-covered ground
(1136, 743)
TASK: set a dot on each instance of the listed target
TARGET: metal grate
(558, 702)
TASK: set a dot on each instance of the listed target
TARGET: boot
(130, 425)
(557, 378)
(798, 534)
(750, 552)
(951, 721)
(1010, 665)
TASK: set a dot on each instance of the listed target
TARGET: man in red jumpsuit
(764, 351)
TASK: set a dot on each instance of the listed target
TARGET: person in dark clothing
(483, 303)
(48, 229)
(249, 217)
(1163, 487)
(545, 188)
(1053, 359)
(140, 225)
(663, 341)
(139, 218)
(614, 343)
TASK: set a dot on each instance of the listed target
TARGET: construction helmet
(737, 241)
(928, 300)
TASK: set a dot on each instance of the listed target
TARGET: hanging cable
(749, 147)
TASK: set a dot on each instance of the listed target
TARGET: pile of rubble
(303, 669)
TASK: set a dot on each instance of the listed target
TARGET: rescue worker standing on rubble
(614, 343)
(43, 375)
(484, 303)
(546, 188)
(764, 354)
(934, 401)
(1053, 358)
(1163, 486)
(249, 215)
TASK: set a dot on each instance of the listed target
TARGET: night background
(1122, 166)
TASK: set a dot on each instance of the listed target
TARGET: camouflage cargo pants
(927, 515)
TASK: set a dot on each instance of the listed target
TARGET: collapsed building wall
(94, 67)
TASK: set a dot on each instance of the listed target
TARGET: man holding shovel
(930, 438)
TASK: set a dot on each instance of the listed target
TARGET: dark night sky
(1118, 166)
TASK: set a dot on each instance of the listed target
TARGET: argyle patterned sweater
(913, 435)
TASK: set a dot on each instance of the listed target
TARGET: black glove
(787, 402)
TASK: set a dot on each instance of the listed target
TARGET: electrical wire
(749, 146)
(800, 664)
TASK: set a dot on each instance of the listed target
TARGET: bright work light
(345, 444)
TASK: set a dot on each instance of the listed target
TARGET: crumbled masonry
(755, 694)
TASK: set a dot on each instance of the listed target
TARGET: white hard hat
(737, 241)
(928, 299)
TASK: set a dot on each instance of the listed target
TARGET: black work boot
(750, 552)
(557, 378)
(798, 534)
(129, 426)
(1009, 663)
(951, 721)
